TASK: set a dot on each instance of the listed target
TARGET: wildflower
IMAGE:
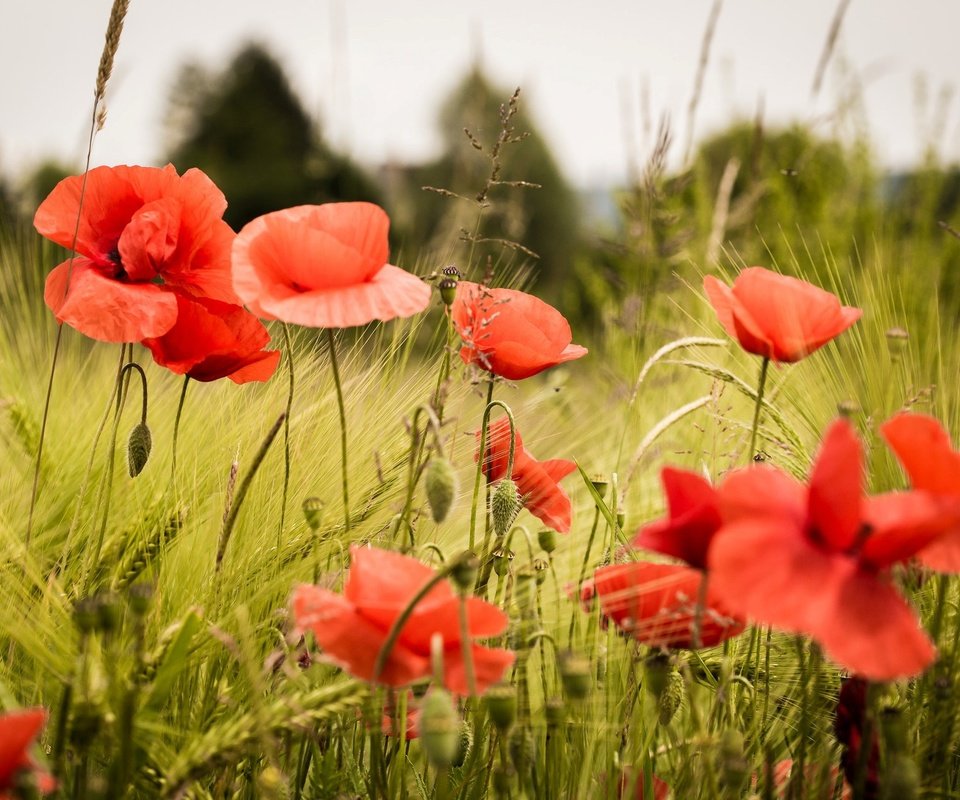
(537, 481)
(815, 559)
(212, 340)
(927, 455)
(509, 333)
(142, 231)
(352, 628)
(323, 267)
(18, 729)
(693, 518)
(657, 604)
(776, 316)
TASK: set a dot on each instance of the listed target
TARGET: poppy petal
(903, 524)
(18, 729)
(105, 309)
(489, 666)
(923, 447)
(836, 487)
(351, 640)
(760, 491)
(387, 579)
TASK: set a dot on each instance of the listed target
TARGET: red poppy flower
(388, 721)
(212, 340)
(816, 559)
(778, 317)
(509, 333)
(323, 267)
(657, 604)
(537, 481)
(927, 455)
(633, 778)
(142, 230)
(351, 628)
(693, 517)
(18, 729)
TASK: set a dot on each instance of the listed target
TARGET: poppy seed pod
(555, 711)
(448, 290)
(313, 508)
(547, 539)
(440, 484)
(439, 728)
(501, 561)
(576, 675)
(139, 445)
(464, 570)
(504, 506)
(501, 703)
(897, 339)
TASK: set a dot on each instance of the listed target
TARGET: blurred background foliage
(495, 200)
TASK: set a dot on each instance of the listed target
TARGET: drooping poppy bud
(440, 483)
(138, 448)
(439, 728)
(504, 506)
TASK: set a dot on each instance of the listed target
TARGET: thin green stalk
(343, 430)
(756, 411)
(480, 460)
(231, 518)
(415, 467)
(583, 572)
(288, 345)
(176, 427)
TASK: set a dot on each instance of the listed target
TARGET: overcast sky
(373, 71)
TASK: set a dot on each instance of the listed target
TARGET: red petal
(386, 579)
(903, 524)
(351, 640)
(18, 729)
(836, 487)
(762, 491)
(489, 667)
(149, 239)
(924, 448)
(736, 319)
(108, 310)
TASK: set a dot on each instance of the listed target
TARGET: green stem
(756, 411)
(242, 490)
(176, 426)
(583, 573)
(467, 647)
(343, 429)
(415, 467)
(286, 436)
(480, 460)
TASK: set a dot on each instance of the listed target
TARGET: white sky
(375, 70)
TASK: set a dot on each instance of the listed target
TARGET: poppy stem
(756, 411)
(176, 427)
(696, 636)
(288, 345)
(583, 574)
(415, 467)
(343, 429)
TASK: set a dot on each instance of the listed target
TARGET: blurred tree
(247, 129)
(542, 220)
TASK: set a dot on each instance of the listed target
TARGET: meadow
(718, 564)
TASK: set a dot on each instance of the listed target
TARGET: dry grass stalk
(828, 46)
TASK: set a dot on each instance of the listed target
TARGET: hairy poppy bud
(670, 700)
(439, 728)
(504, 505)
(464, 744)
(313, 508)
(138, 449)
(547, 539)
(441, 486)
(501, 703)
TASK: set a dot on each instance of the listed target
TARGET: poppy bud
(441, 486)
(504, 505)
(138, 449)
(464, 744)
(501, 561)
(901, 781)
(547, 539)
(656, 673)
(555, 712)
(671, 699)
(501, 703)
(313, 512)
(464, 570)
(621, 516)
(439, 728)
(576, 675)
(523, 749)
(897, 339)
(448, 290)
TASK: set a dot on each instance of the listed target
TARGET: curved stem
(415, 469)
(286, 435)
(343, 430)
(176, 426)
(482, 459)
(756, 411)
(143, 385)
